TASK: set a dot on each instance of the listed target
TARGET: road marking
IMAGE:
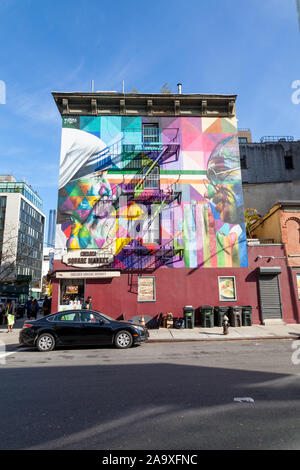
(7, 354)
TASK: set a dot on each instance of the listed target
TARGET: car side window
(67, 317)
(89, 317)
(52, 318)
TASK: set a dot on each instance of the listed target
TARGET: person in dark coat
(28, 308)
(46, 306)
(35, 309)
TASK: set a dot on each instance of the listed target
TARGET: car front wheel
(45, 342)
(123, 340)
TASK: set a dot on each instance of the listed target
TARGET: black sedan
(81, 327)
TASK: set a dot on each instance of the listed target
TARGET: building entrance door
(270, 298)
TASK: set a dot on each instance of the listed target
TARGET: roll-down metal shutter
(270, 299)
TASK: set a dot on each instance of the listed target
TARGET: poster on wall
(146, 289)
(71, 289)
(298, 285)
(227, 290)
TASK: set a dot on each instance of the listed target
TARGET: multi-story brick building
(150, 191)
(150, 208)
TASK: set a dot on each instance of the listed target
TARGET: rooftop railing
(276, 138)
(24, 189)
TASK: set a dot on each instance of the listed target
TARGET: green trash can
(207, 316)
(189, 316)
(247, 315)
(219, 313)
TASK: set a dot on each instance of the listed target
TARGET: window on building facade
(70, 290)
(150, 133)
(152, 234)
(243, 140)
(146, 227)
(151, 180)
(243, 162)
(288, 161)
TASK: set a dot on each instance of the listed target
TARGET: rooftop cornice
(148, 104)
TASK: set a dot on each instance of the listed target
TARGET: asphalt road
(155, 396)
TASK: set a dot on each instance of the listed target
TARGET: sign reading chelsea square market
(88, 259)
(86, 274)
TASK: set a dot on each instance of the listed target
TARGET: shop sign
(87, 274)
(88, 258)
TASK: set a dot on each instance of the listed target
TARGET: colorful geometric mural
(152, 191)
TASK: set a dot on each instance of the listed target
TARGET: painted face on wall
(92, 202)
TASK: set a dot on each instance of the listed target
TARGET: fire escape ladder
(157, 211)
(110, 155)
(140, 184)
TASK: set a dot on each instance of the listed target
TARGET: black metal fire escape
(144, 157)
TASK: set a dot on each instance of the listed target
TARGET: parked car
(81, 327)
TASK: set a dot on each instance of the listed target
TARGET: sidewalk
(254, 332)
(164, 335)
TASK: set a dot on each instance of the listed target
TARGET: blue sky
(246, 47)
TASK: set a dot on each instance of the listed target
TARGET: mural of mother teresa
(85, 197)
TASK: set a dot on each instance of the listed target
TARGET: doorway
(269, 292)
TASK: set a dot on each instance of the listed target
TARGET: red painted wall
(176, 288)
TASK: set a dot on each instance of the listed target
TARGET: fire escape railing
(153, 147)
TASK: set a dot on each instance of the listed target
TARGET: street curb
(218, 340)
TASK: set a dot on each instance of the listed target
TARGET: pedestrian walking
(46, 306)
(10, 315)
(28, 308)
(35, 309)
